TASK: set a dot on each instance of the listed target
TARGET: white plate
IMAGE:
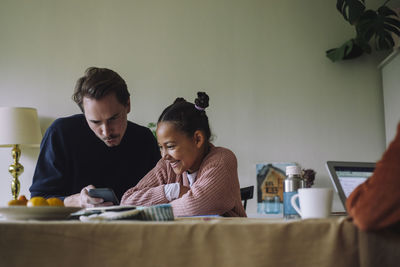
(37, 213)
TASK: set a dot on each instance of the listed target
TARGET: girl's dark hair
(99, 82)
(188, 117)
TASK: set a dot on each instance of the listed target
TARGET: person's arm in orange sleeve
(375, 204)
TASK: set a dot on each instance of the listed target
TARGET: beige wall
(274, 95)
(391, 95)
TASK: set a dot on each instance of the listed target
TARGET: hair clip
(199, 108)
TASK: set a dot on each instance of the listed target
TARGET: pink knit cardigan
(216, 190)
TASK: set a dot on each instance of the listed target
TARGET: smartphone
(105, 193)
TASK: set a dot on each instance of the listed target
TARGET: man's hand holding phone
(107, 194)
(97, 197)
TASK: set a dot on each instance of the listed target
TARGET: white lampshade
(19, 126)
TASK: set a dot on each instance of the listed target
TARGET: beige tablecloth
(195, 242)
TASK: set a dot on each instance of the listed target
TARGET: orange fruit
(16, 202)
(37, 201)
(54, 201)
(23, 200)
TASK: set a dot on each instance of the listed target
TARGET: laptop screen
(351, 177)
(346, 176)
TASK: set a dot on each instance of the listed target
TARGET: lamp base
(15, 170)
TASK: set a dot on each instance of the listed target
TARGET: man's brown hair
(99, 82)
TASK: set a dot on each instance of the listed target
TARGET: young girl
(194, 176)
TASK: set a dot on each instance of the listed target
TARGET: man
(99, 148)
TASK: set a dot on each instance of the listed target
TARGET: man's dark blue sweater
(72, 157)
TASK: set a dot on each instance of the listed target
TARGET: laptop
(346, 176)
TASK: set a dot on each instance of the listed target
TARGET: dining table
(196, 241)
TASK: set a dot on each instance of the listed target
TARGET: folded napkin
(161, 212)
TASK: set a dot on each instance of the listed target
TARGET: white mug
(314, 202)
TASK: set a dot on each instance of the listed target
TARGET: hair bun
(179, 100)
(202, 100)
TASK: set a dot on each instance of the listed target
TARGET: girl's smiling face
(184, 153)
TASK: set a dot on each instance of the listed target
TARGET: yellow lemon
(37, 201)
(54, 201)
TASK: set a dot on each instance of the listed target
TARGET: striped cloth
(161, 212)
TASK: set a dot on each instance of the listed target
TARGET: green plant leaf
(378, 26)
(332, 55)
(385, 11)
(152, 126)
(341, 52)
(392, 29)
(384, 41)
(393, 21)
(364, 46)
(351, 9)
(372, 27)
(366, 26)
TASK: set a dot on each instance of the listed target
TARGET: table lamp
(18, 126)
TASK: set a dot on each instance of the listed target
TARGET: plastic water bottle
(291, 184)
